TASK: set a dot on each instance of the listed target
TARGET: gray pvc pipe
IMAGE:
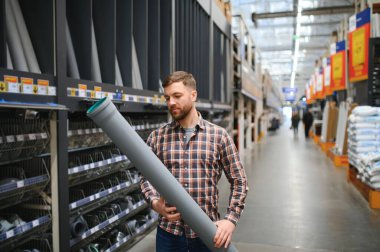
(72, 60)
(105, 115)
(95, 66)
(118, 79)
(9, 59)
(136, 75)
(30, 55)
(14, 40)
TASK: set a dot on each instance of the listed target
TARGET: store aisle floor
(298, 201)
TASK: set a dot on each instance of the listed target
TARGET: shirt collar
(200, 124)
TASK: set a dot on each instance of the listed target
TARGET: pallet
(325, 146)
(339, 161)
(371, 195)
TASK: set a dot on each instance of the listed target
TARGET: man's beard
(183, 113)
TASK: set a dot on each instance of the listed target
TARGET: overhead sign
(288, 90)
(338, 66)
(290, 97)
(359, 40)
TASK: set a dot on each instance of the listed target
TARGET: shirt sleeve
(235, 173)
(149, 192)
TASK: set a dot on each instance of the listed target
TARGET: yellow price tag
(72, 92)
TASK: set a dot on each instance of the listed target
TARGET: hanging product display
(105, 114)
(338, 65)
(358, 37)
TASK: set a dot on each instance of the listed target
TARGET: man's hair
(180, 76)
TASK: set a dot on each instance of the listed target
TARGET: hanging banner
(338, 66)
(327, 76)
(319, 82)
(358, 37)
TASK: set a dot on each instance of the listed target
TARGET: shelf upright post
(61, 221)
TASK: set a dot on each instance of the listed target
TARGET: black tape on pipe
(105, 115)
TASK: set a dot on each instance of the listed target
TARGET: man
(307, 120)
(196, 152)
(295, 122)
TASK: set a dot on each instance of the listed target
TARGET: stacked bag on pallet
(364, 144)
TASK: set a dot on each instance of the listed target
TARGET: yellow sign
(35, 89)
(3, 87)
(72, 92)
(96, 88)
(358, 47)
(338, 66)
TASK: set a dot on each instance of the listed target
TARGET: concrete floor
(298, 201)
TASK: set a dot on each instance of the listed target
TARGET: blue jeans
(167, 242)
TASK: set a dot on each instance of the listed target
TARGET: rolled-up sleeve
(235, 173)
(149, 192)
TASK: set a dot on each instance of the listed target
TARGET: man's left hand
(223, 235)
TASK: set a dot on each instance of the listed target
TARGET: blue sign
(288, 90)
(340, 46)
(289, 97)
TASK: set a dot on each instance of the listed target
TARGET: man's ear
(194, 95)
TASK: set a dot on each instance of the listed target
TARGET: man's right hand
(168, 212)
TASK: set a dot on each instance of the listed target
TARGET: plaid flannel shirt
(198, 166)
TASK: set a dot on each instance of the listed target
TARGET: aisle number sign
(360, 27)
(338, 66)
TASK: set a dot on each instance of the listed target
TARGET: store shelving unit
(148, 40)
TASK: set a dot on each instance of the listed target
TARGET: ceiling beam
(287, 25)
(288, 48)
(331, 10)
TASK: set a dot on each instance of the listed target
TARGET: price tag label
(12, 83)
(80, 132)
(87, 131)
(53, 91)
(82, 90)
(76, 169)
(118, 187)
(27, 89)
(3, 87)
(93, 197)
(20, 183)
(44, 135)
(109, 190)
(96, 229)
(72, 92)
(92, 165)
(10, 139)
(20, 138)
(13, 87)
(74, 205)
(32, 137)
(10, 233)
(35, 223)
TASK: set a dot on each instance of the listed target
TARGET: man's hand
(223, 235)
(168, 212)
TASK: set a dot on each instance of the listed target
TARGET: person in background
(196, 152)
(295, 122)
(307, 120)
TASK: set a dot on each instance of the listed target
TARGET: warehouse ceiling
(275, 28)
